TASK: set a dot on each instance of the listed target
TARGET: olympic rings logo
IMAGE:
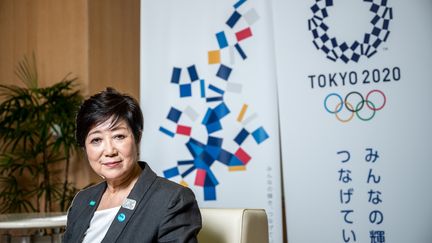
(355, 103)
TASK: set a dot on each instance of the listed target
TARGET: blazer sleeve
(182, 220)
(71, 217)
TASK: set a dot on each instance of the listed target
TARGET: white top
(99, 225)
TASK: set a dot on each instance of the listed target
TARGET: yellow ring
(350, 117)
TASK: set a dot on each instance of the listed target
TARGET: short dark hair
(105, 105)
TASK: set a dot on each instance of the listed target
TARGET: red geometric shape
(184, 130)
(243, 34)
(200, 177)
(242, 156)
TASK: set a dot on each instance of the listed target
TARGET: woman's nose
(110, 149)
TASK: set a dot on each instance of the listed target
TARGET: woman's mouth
(111, 164)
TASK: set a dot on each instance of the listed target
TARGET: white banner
(208, 93)
(354, 94)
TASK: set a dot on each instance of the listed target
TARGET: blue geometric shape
(175, 77)
(216, 89)
(209, 117)
(240, 51)
(166, 131)
(214, 151)
(324, 38)
(185, 162)
(374, 8)
(222, 41)
(197, 143)
(224, 156)
(376, 31)
(315, 8)
(185, 90)
(354, 45)
(188, 171)
(239, 3)
(376, 43)
(241, 136)
(214, 141)
(92, 203)
(207, 158)
(260, 135)
(235, 161)
(209, 193)
(213, 127)
(202, 87)
(386, 24)
(194, 147)
(199, 164)
(355, 57)
(213, 99)
(233, 19)
(223, 72)
(375, 20)
(171, 172)
(174, 115)
(192, 73)
(210, 179)
(221, 110)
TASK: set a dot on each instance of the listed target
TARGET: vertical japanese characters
(348, 178)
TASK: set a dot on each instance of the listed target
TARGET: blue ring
(325, 103)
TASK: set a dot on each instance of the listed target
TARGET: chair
(233, 226)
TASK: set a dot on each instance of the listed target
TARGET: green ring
(362, 103)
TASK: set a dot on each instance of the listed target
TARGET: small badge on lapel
(129, 204)
(92, 203)
(121, 217)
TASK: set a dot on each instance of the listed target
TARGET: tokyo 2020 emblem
(335, 48)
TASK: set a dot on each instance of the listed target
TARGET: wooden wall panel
(55, 30)
(16, 23)
(114, 45)
(62, 39)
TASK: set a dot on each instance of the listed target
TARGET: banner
(208, 93)
(354, 88)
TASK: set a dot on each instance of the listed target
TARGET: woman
(132, 204)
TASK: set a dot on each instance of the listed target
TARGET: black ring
(357, 108)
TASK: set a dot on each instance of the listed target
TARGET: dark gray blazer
(164, 212)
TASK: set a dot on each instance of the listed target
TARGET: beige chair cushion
(222, 225)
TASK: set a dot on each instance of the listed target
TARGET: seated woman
(132, 204)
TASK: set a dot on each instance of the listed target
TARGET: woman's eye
(95, 141)
(119, 136)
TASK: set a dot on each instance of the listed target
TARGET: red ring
(378, 108)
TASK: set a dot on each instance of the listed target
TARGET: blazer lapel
(130, 205)
(89, 207)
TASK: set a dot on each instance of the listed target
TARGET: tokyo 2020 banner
(208, 92)
(354, 86)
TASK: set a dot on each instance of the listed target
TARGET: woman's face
(111, 151)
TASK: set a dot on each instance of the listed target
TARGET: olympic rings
(360, 104)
